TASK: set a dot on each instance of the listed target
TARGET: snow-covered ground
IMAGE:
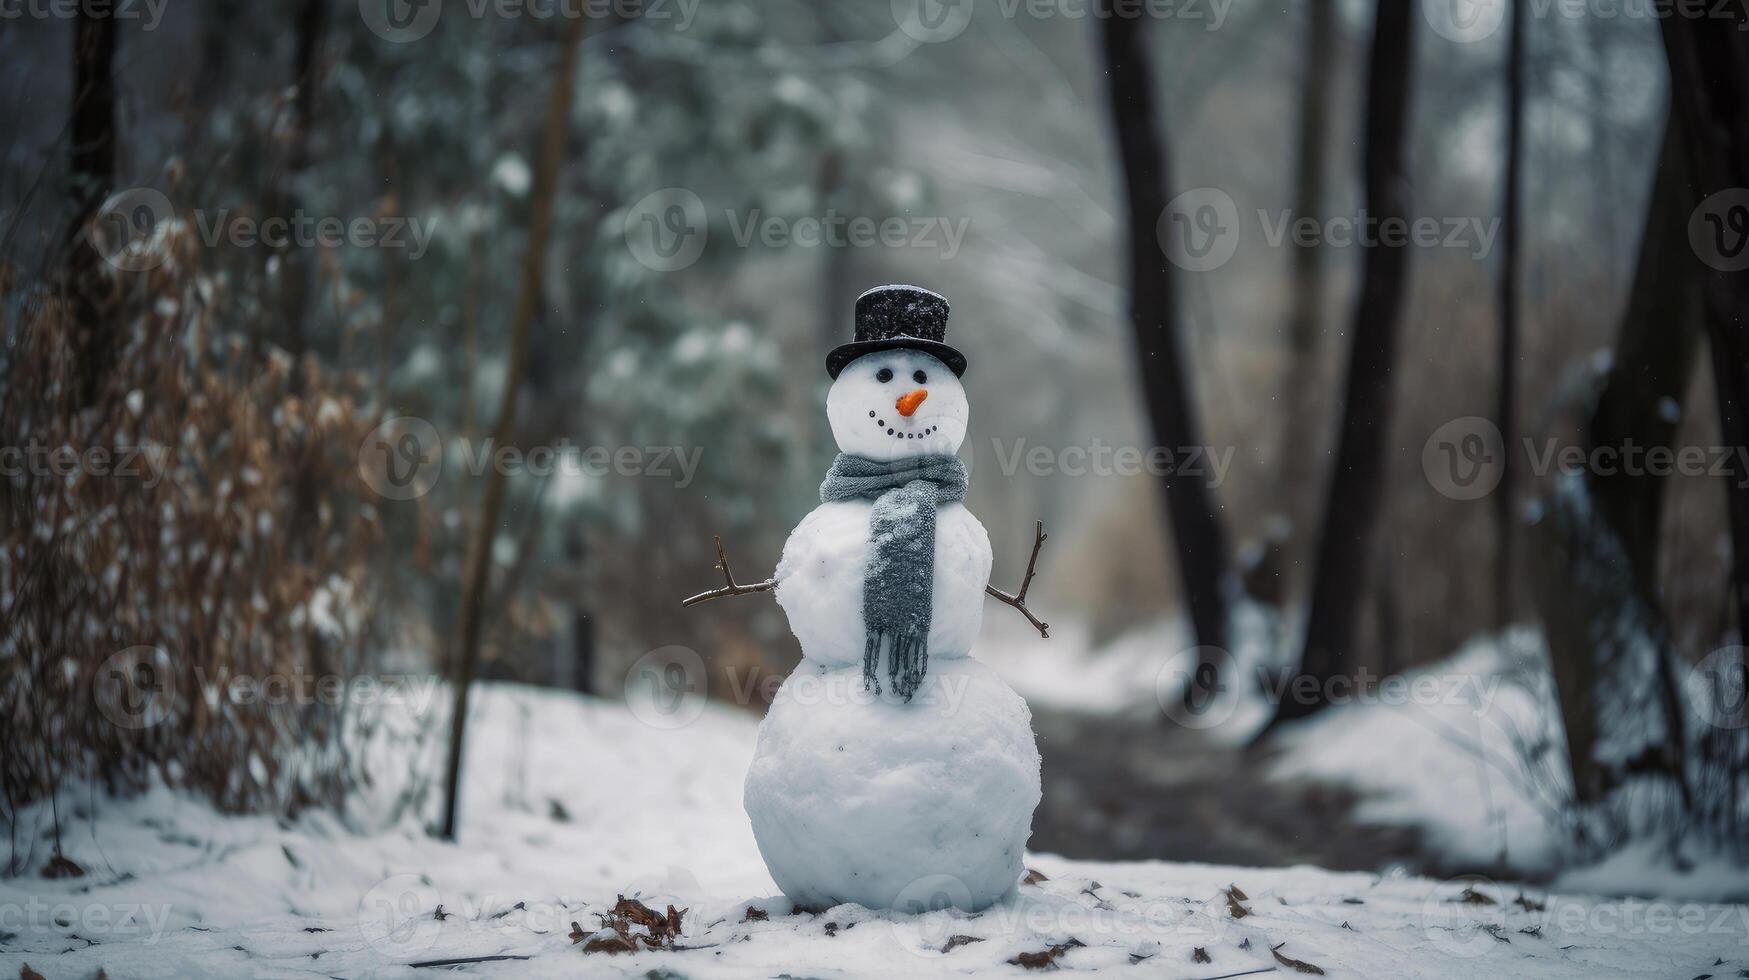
(571, 803)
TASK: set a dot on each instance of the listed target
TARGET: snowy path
(555, 829)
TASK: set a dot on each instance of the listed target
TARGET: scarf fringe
(906, 666)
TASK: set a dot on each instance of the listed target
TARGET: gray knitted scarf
(898, 589)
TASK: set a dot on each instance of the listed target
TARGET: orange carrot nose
(908, 403)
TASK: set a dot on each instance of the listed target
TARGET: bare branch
(731, 589)
(1018, 600)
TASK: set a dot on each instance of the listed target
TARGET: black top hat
(894, 317)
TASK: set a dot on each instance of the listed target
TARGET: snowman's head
(895, 404)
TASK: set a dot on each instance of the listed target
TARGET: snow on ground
(1140, 673)
(1437, 751)
(571, 802)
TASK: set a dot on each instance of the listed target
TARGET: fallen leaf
(1045, 958)
(831, 929)
(1200, 955)
(1234, 891)
(1528, 904)
(1245, 943)
(1472, 897)
(955, 942)
(440, 915)
(60, 867)
(1033, 877)
(26, 973)
(755, 915)
(1234, 909)
(1298, 965)
(610, 945)
(577, 933)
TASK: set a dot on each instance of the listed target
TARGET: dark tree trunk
(1597, 541)
(294, 270)
(1506, 412)
(1709, 75)
(1190, 506)
(1300, 436)
(1356, 491)
(474, 584)
(91, 170)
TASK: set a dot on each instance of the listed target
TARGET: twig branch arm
(1018, 599)
(731, 588)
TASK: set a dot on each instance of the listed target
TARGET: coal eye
(884, 375)
(920, 378)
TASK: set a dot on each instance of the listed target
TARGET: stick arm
(731, 587)
(1018, 599)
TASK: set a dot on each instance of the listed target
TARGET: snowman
(892, 770)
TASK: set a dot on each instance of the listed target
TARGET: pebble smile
(882, 424)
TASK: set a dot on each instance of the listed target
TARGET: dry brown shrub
(196, 517)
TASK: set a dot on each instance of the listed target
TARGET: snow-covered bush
(183, 550)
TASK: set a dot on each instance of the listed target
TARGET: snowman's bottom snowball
(886, 804)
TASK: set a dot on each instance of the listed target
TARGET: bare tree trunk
(1357, 483)
(92, 172)
(1190, 507)
(474, 584)
(1709, 73)
(282, 200)
(1299, 450)
(1506, 413)
(1597, 542)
